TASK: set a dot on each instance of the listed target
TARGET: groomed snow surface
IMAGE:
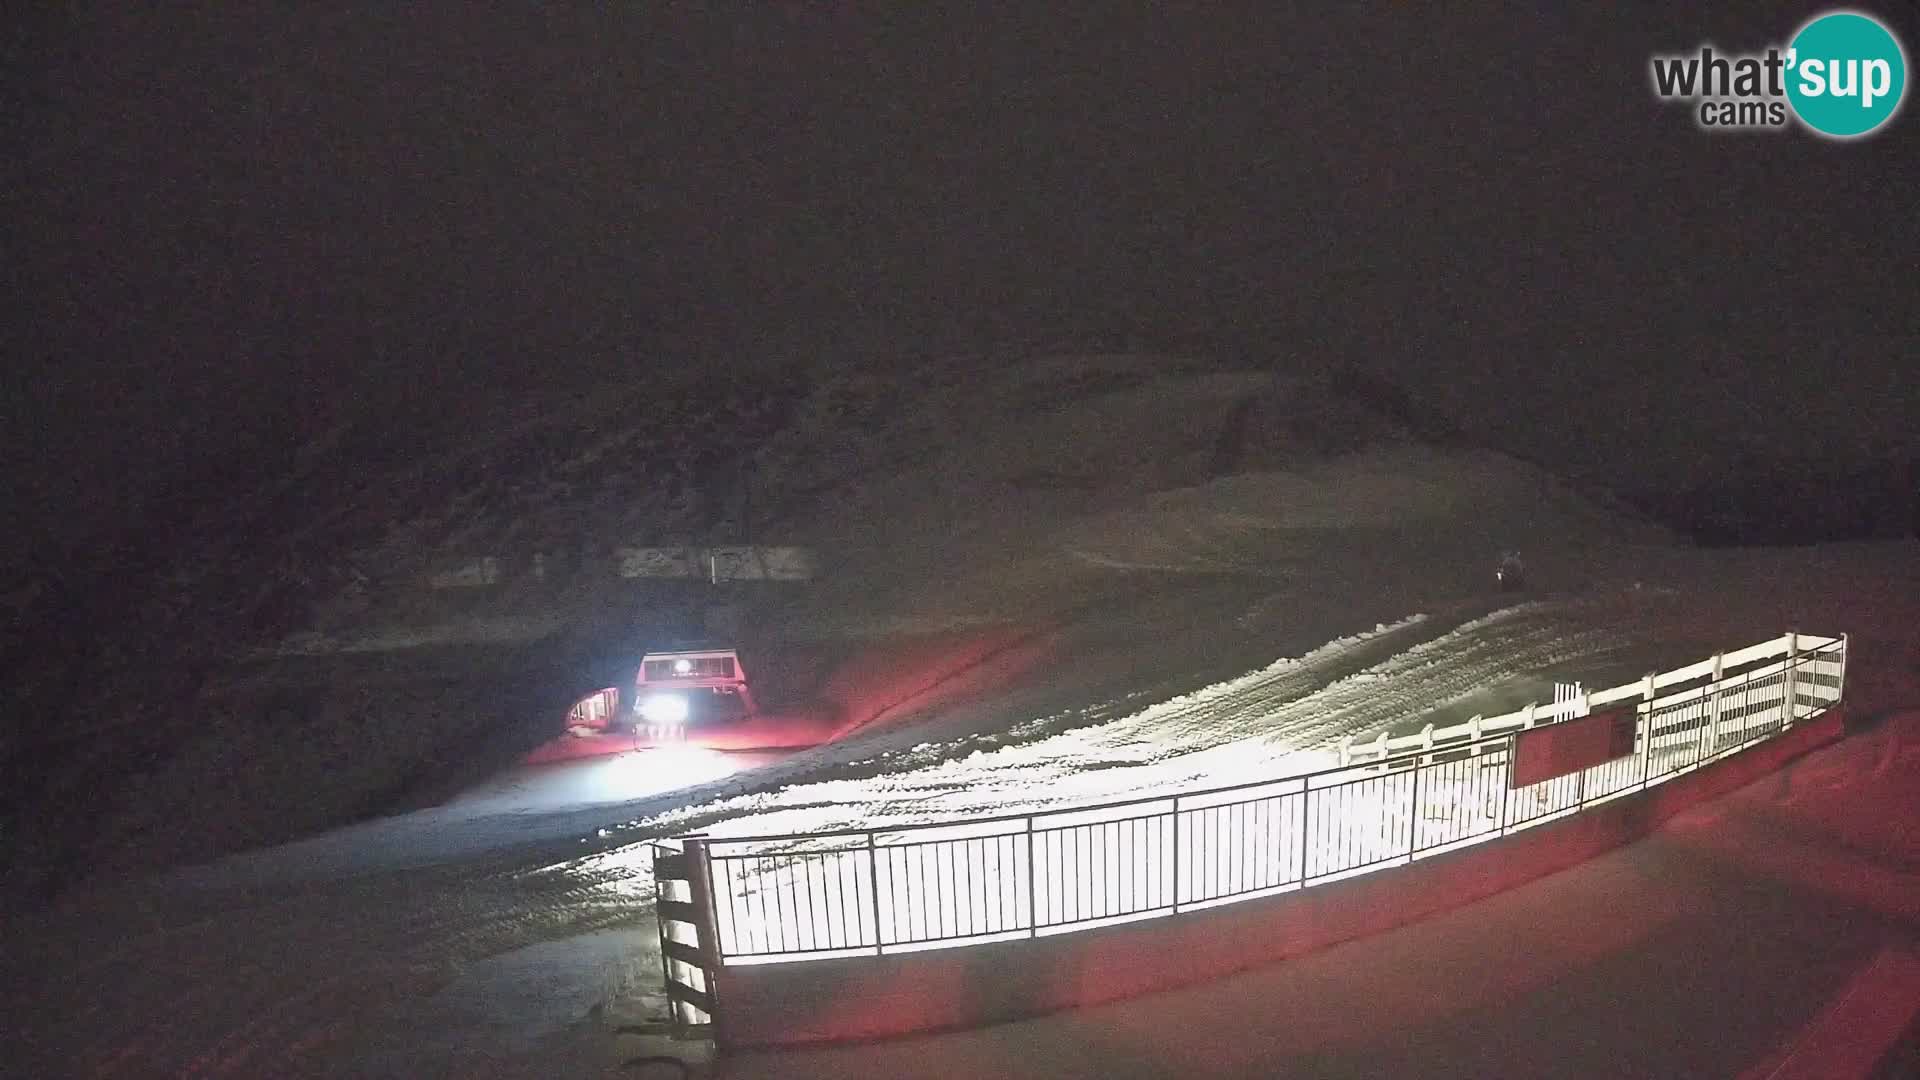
(486, 937)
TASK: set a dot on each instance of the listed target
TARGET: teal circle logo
(1846, 74)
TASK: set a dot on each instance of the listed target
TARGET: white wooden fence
(1393, 800)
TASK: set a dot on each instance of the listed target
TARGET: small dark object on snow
(1510, 573)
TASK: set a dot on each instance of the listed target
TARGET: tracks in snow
(1270, 722)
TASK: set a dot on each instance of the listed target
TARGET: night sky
(235, 228)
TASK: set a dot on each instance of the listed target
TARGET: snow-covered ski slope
(465, 941)
(1278, 720)
(261, 965)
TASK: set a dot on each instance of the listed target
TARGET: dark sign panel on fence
(1544, 753)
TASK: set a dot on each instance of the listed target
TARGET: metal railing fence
(890, 890)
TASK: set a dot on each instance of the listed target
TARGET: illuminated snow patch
(1279, 720)
(891, 888)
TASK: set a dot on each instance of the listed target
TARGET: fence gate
(689, 946)
(1565, 692)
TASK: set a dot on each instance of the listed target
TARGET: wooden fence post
(691, 865)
